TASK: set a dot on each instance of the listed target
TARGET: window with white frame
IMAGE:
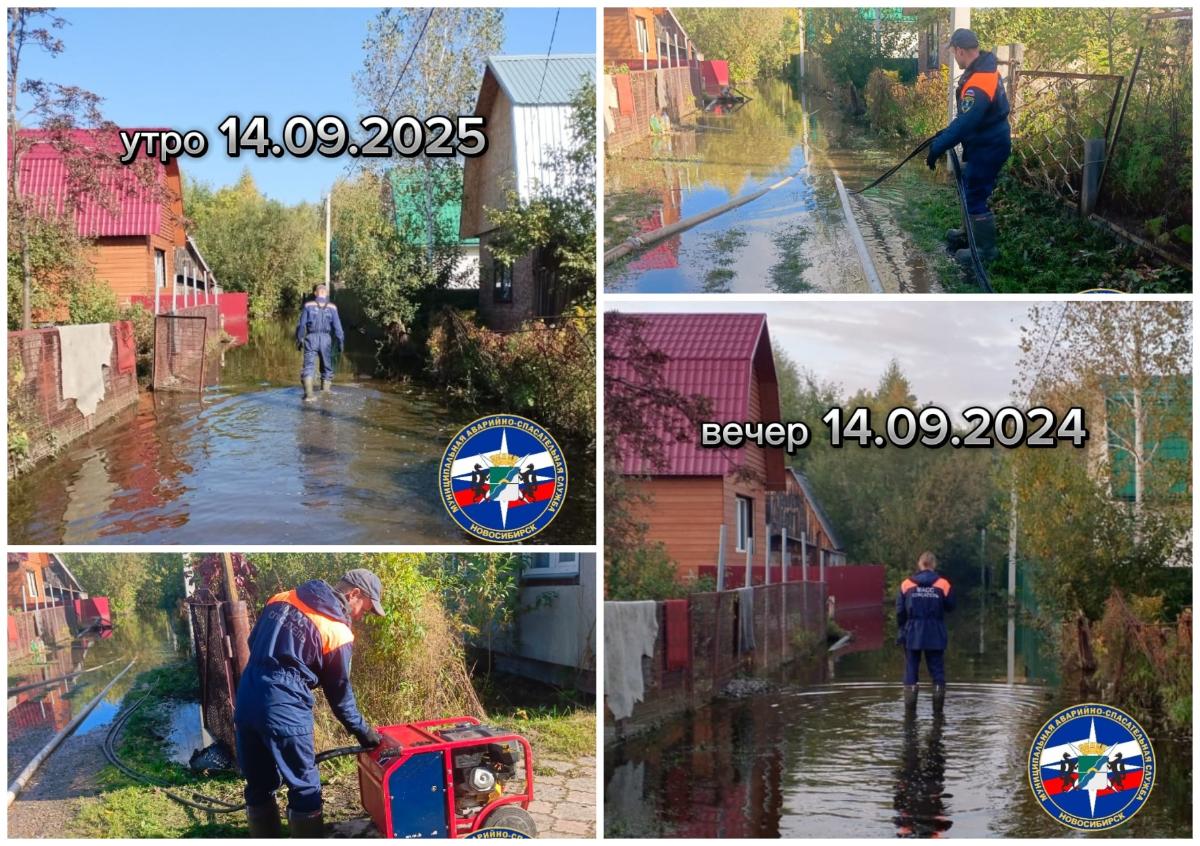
(552, 565)
(745, 523)
(31, 584)
(643, 37)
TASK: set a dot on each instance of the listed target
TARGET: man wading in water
(318, 329)
(921, 606)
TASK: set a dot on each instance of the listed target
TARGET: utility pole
(960, 18)
(1012, 582)
(328, 237)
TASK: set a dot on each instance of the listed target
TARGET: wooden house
(727, 359)
(141, 245)
(526, 104)
(646, 38)
(795, 514)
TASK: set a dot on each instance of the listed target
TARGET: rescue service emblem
(967, 103)
(503, 478)
(1091, 767)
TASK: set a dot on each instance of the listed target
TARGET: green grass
(557, 722)
(129, 808)
(1043, 248)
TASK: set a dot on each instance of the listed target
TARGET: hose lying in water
(13, 691)
(976, 264)
(889, 173)
(640, 242)
(197, 800)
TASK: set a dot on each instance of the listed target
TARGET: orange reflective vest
(334, 633)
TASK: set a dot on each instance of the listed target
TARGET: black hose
(890, 172)
(199, 801)
(976, 264)
(330, 754)
(981, 275)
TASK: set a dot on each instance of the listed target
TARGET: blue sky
(190, 68)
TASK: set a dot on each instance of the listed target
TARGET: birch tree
(426, 62)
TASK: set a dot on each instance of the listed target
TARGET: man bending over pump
(982, 129)
(302, 640)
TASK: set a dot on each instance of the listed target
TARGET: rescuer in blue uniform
(302, 640)
(921, 606)
(982, 128)
(318, 328)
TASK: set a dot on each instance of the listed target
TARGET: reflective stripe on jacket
(981, 125)
(924, 600)
(302, 640)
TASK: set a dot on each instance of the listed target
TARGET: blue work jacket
(982, 122)
(921, 606)
(317, 319)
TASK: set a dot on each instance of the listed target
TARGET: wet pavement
(792, 239)
(249, 462)
(838, 756)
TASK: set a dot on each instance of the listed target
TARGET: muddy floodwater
(37, 713)
(249, 462)
(792, 239)
(830, 752)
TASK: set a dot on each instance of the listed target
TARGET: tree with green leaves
(45, 251)
(273, 252)
(420, 62)
(758, 43)
(1117, 513)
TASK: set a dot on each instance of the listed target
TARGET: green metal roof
(521, 77)
(408, 195)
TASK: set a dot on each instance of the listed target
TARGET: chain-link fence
(179, 352)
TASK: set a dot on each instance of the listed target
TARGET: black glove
(369, 738)
(299, 345)
(931, 159)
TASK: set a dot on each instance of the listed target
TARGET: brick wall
(36, 403)
(779, 612)
(681, 88)
(504, 317)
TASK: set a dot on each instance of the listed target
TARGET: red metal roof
(135, 211)
(714, 356)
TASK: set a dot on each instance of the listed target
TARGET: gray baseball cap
(964, 39)
(368, 583)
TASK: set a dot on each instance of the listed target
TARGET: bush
(908, 111)
(545, 372)
(647, 573)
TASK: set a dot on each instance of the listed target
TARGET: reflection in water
(843, 758)
(250, 462)
(792, 239)
(921, 779)
(36, 715)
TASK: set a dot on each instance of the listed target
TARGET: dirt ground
(58, 789)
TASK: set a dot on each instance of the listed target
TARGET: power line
(408, 61)
(1062, 315)
(546, 66)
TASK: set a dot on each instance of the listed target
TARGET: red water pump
(447, 778)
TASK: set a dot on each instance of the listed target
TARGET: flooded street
(836, 756)
(790, 240)
(250, 461)
(36, 714)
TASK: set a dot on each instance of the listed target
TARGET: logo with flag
(1091, 767)
(503, 478)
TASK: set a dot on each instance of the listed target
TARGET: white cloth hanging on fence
(84, 352)
(630, 631)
